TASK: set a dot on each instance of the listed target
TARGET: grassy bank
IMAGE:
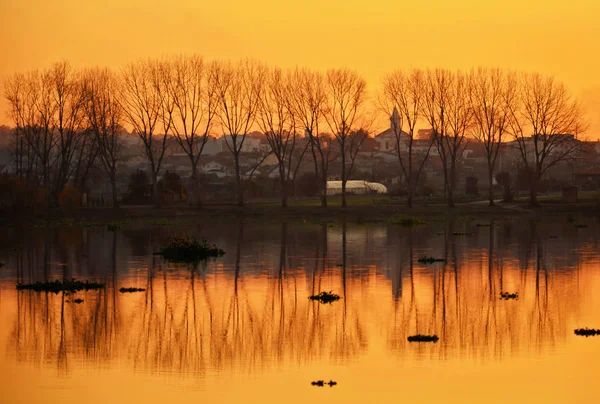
(360, 209)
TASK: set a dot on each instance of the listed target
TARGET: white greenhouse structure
(356, 187)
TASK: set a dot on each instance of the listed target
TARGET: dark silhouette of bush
(325, 297)
(423, 338)
(189, 250)
(60, 286)
(139, 189)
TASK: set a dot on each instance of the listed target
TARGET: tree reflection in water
(250, 310)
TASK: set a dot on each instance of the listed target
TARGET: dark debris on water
(430, 260)
(509, 296)
(587, 332)
(423, 338)
(325, 297)
(189, 250)
(131, 290)
(322, 383)
(57, 286)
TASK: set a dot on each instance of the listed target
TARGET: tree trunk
(284, 196)
(283, 183)
(490, 190)
(409, 189)
(409, 180)
(451, 184)
(450, 197)
(155, 194)
(324, 191)
(238, 181)
(533, 185)
(194, 195)
(343, 177)
(113, 184)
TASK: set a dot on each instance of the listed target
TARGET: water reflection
(249, 310)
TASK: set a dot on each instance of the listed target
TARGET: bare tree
(545, 123)
(309, 98)
(104, 115)
(68, 121)
(346, 92)
(492, 94)
(447, 110)
(401, 99)
(15, 89)
(47, 109)
(238, 88)
(32, 109)
(148, 108)
(277, 121)
(192, 84)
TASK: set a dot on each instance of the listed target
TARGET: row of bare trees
(536, 114)
(68, 120)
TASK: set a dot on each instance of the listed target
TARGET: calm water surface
(241, 328)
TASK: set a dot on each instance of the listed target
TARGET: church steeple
(395, 120)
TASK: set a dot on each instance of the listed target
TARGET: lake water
(241, 329)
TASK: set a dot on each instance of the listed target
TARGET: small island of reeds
(57, 286)
(325, 297)
(189, 250)
(405, 221)
(322, 383)
(423, 338)
(430, 260)
(131, 290)
(587, 332)
(509, 296)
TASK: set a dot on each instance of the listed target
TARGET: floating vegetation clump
(131, 290)
(322, 383)
(78, 300)
(325, 297)
(161, 222)
(423, 338)
(115, 226)
(58, 286)
(405, 221)
(430, 260)
(587, 332)
(509, 296)
(189, 250)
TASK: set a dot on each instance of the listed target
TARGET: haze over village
(204, 131)
(338, 201)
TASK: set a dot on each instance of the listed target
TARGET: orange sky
(372, 36)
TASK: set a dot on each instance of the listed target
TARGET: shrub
(69, 198)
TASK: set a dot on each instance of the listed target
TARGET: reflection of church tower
(395, 120)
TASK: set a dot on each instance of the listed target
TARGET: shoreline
(357, 213)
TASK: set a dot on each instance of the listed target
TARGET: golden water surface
(241, 329)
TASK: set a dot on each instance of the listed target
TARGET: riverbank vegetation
(57, 286)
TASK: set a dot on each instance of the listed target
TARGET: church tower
(395, 120)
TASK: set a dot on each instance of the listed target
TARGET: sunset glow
(551, 37)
